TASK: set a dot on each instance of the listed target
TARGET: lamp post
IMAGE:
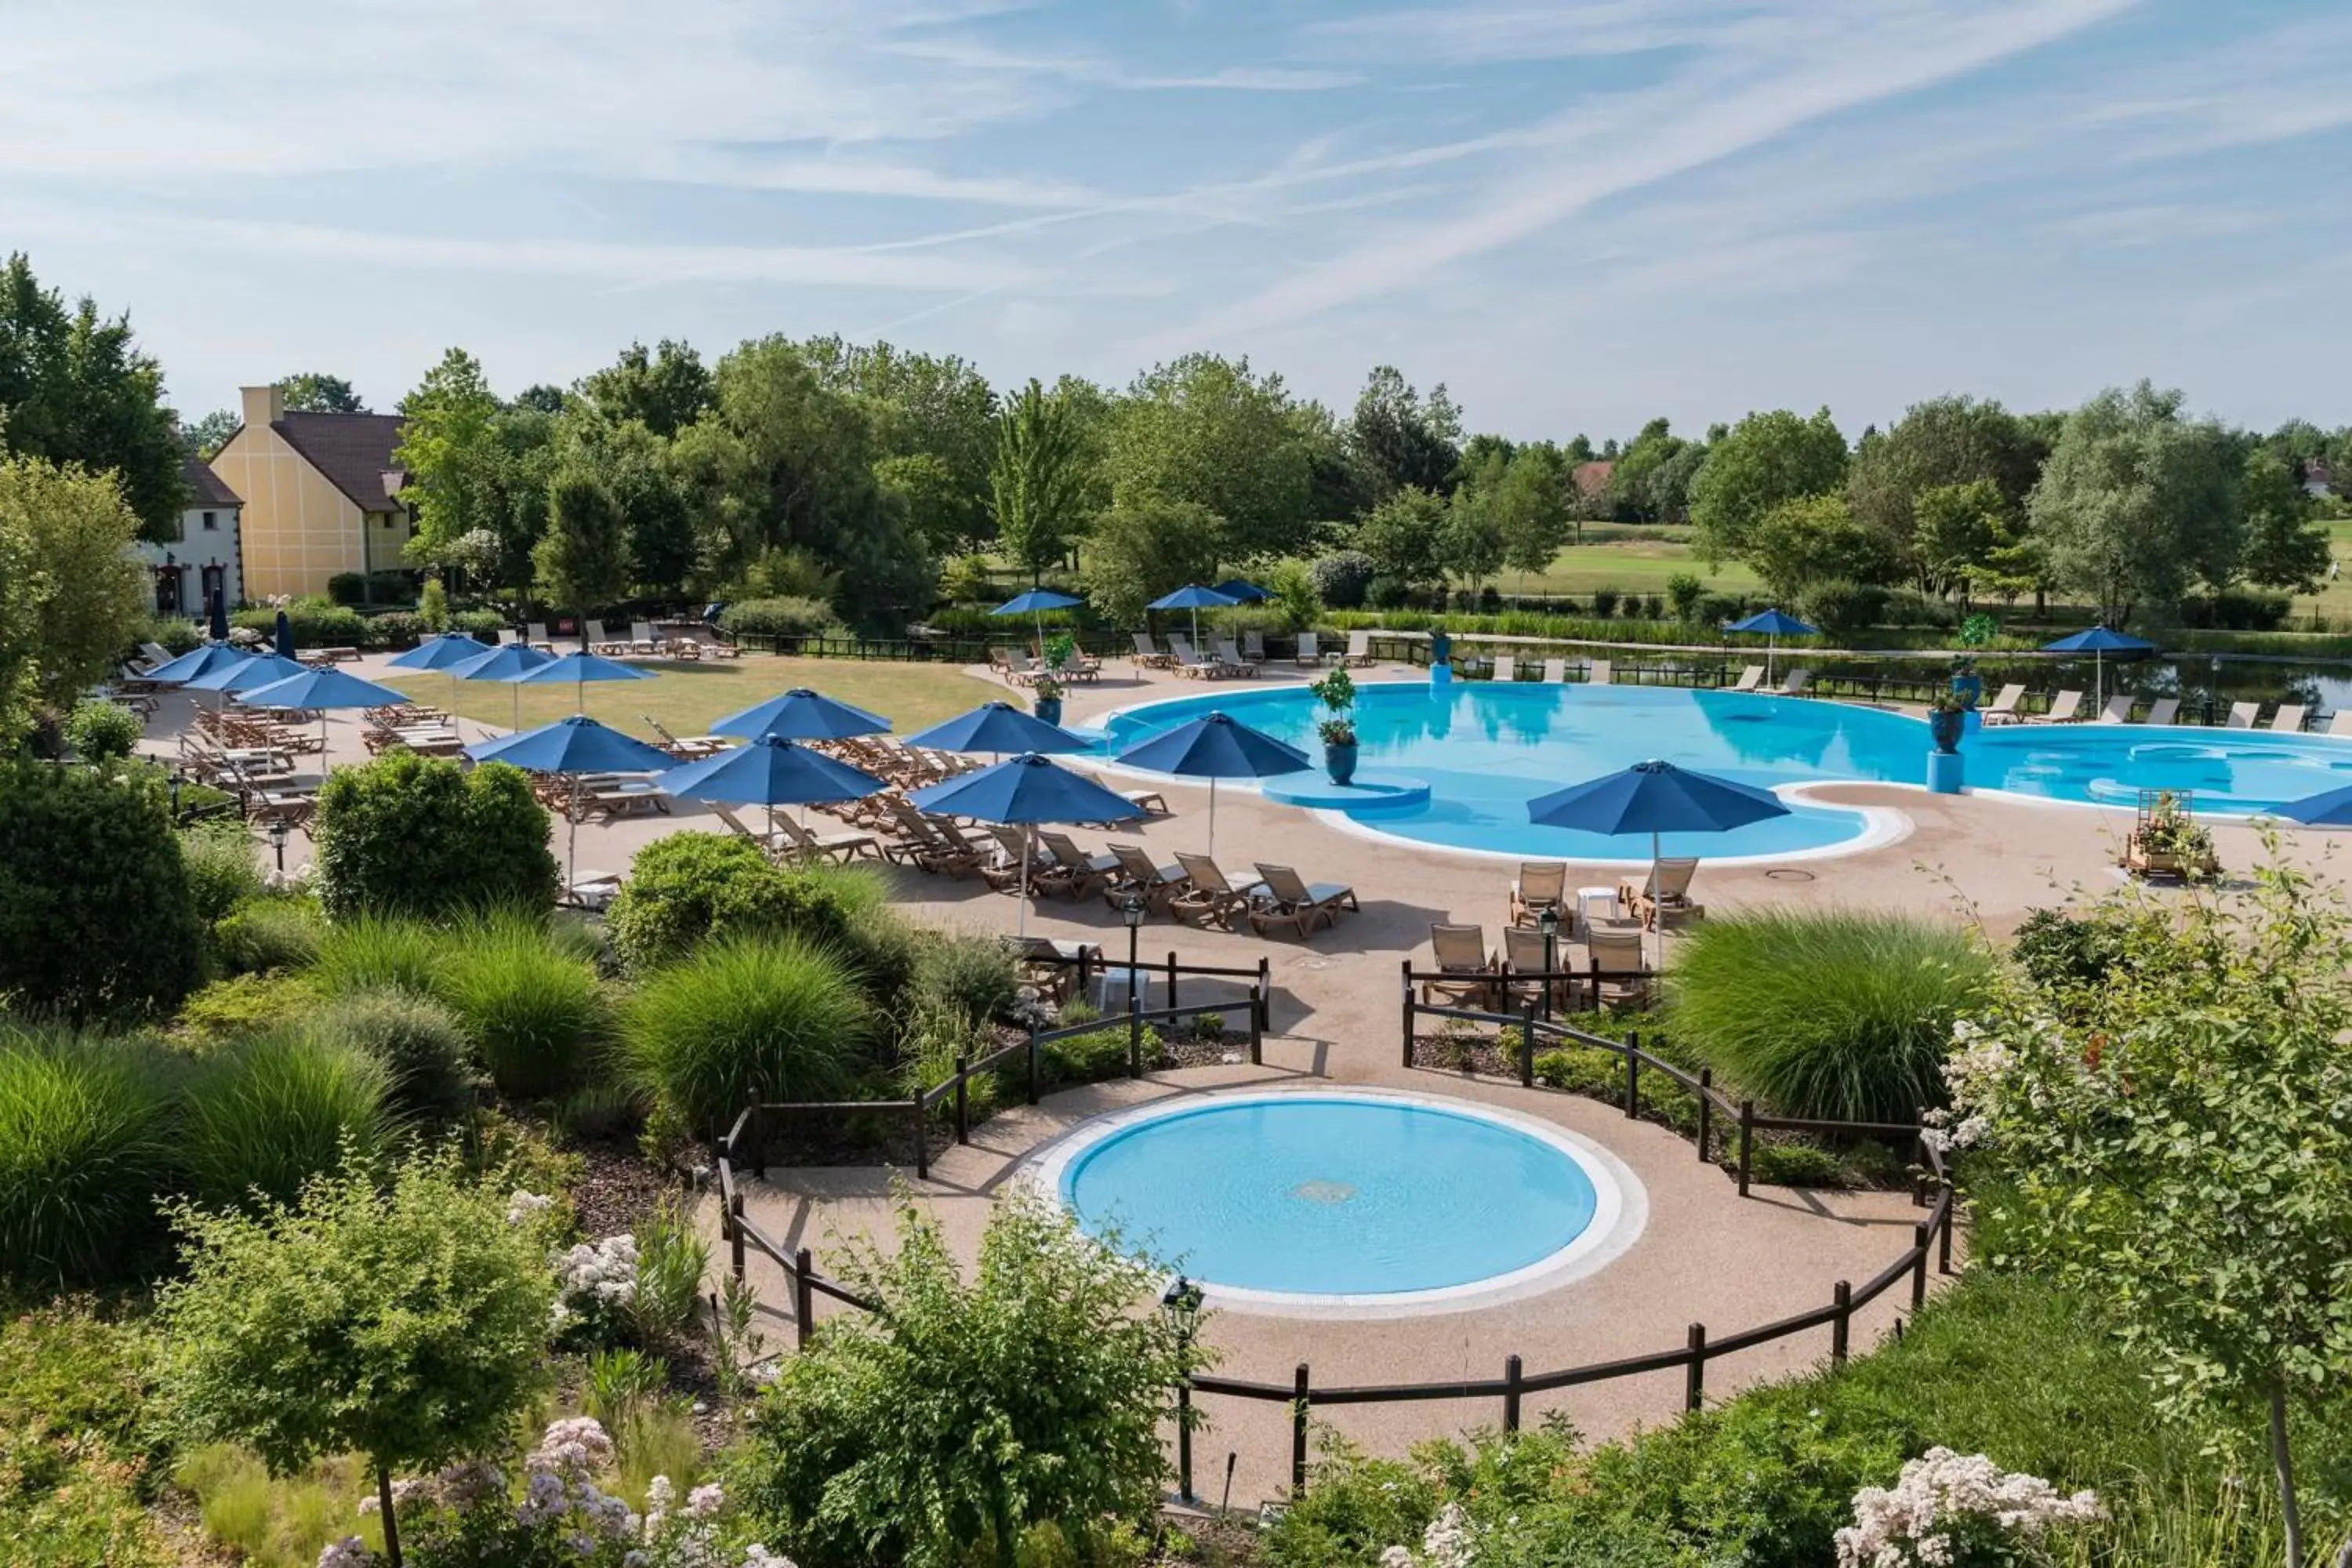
(1181, 1303)
(277, 834)
(1547, 922)
(1131, 910)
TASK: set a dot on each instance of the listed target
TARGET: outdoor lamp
(1547, 922)
(278, 832)
(1181, 1300)
(1131, 910)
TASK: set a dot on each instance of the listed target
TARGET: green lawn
(685, 698)
(1633, 566)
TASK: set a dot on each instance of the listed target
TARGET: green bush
(84, 1148)
(244, 1005)
(483, 625)
(783, 617)
(1590, 1071)
(315, 623)
(1840, 609)
(103, 732)
(774, 1013)
(370, 952)
(686, 887)
(266, 1113)
(1093, 1056)
(96, 918)
(174, 633)
(528, 998)
(1797, 1165)
(76, 1449)
(411, 835)
(968, 974)
(216, 856)
(1343, 579)
(418, 1040)
(1834, 1014)
(268, 934)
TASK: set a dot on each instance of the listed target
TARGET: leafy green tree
(541, 397)
(1631, 482)
(1814, 539)
(1149, 548)
(1037, 486)
(314, 392)
(930, 410)
(75, 388)
(1405, 536)
(959, 1419)
(2285, 547)
(1205, 430)
(1683, 591)
(1761, 462)
(2138, 501)
(1955, 529)
(665, 391)
(71, 595)
(582, 564)
(1402, 439)
(447, 447)
(634, 464)
(1472, 544)
(206, 436)
(2177, 1144)
(408, 1323)
(1531, 505)
(1942, 442)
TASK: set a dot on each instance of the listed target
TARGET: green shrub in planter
(529, 1000)
(96, 919)
(1836, 1014)
(411, 835)
(266, 1113)
(419, 1040)
(101, 732)
(85, 1142)
(776, 1013)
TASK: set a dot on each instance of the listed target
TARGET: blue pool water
(1487, 748)
(1332, 1194)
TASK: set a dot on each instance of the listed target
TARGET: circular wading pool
(1349, 1203)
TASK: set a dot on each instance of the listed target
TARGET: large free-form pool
(1486, 748)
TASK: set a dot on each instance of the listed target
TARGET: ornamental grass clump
(777, 1015)
(528, 996)
(266, 1114)
(1843, 1015)
(85, 1144)
(371, 952)
(418, 1039)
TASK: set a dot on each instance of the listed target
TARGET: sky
(1578, 215)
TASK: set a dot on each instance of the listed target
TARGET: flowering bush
(596, 1282)
(1954, 1510)
(1450, 1541)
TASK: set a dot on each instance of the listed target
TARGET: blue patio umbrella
(1195, 598)
(2098, 642)
(577, 670)
(2329, 808)
(195, 662)
(504, 664)
(1242, 591)
(322, 689)
(999, 727)
(259, 669)
(572, 746)
(1026, 790)
(771, 772)
(283, 635)
(1036, 601)
(220, 616)
(1774, 626)
(442, 652)
(802, 714)
(1215, 746)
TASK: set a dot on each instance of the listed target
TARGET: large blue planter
(1049, 708)
(1340, 761)
(1947, 773)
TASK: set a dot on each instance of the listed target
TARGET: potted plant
(1046, 698)
(1948, 715)
(1336, 691)
(2168, 842)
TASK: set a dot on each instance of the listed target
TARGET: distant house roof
(353, 450)
(208, 488)
(1592, 478)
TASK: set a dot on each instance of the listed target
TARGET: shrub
(1294, 601)
(1591, 1070)
(415, 835)
(530, 1003)
(1837, 1014)
(1715, 609)
(1093, 1056)
(101, 732)
(432, 605)
(347, 587)
(370, 952)
(96, 919)
(1653, 607)
(671, 1259)
(776, 1014)
(783, 617)
(315, 623)
(686, 887)
(173, 634)
(1052, 1350)
(1341, 580)
(397, 628)
(971, 975)
(267, 1113)
(1797, 1165)
(84, 1147)
(218, 858)
(75, 1449)
(1684, 592)
(418, 1040)
(484, 625)
(244, 1005)
(1604, 602)
(268, 934)
(1387, 594)
(1840, 609)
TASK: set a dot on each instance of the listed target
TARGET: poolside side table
(1591, 900)
(1117, 980)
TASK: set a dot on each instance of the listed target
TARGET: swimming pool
(1486, 748)
(1356, 1200)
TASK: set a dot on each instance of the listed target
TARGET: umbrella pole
(571, 838)
(1212, 819)
(1021, 927)
(2098, 679)
(1657, 849)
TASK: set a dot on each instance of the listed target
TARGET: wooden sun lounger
(1665, 894)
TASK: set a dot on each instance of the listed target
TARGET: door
(216, 581)
(167, 590)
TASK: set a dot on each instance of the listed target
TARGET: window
(212, 521)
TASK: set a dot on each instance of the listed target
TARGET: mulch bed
(616, 1189)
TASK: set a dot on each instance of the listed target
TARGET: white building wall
(198, 550)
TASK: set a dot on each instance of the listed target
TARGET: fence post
(1135, 1032)
(1406, 968)
(1258, 1034)
(758, 1143)
(1746, 1141)
(922, 1137)
(1706, 1111)
(735, 1235)
(1510, 1393)
(1184, 1439)
(963, 1100)
(1695, 1378)
(1264, 993)
(1944, 1246)
(1527, 1054)
(1633, 1076)
(1920, 1265)
(1841, 1326)
(1171, 980)
(1298, 1434)
(803, 1298)
(1031, 1055)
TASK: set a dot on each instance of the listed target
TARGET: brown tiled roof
(352, 449)
(1592, 478)
(208, 488)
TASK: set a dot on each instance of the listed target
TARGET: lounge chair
(537, 635)
(2243, 714)
(1749, 678)
(590, 891)
(1191, 665)
(1309, 655)
(1002, 872)
(1080, 875)
(1210, 897)
(509, 637)
(1794, 683)
(1555, 671)
(1506, 667)
(2288, 720)
(1290, 900)
(1466, 972)
(1019, 668)
(770, 843)
(2163, 711)
(693, 748)
(2340, 723)
(2003, 709)
(1665, 893)
(838, 847)
(1230, 659)
(2063, 708)
(1253, 647)
(642, 640)
(1158, 885)
(1599, 672)
(1541, 885)
(1359, 650)
(2117, 711)
(1616, 969)
(1149, 656)
(1523, 955)
(610, 795)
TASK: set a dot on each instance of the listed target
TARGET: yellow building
(319, 492)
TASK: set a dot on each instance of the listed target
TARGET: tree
(1472, 546)
(541, 397)
(1405, 536)
(1404, 439)
(1205, 430)
(1629, 493)
(923, 406)
(582, 564)
(449, 448)
(1762, 462)
(1037, 485)
(1815, 540)
(1144, 548)
(206, 436)
(634, 464)
(2138, 501)
(2174, 1138)
(1941, 442)
(312, 392)
(1532, 506)
(71, 595)
(75, 388)
(408, 1324)
(665, 391)
(2285, 546)
(1955, 529)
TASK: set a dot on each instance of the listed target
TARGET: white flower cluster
(598, 1277)
(1944, 1501)
(522, 1207)
(348, 1552)
(1450, 1541)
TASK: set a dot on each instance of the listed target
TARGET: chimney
(262, 406)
